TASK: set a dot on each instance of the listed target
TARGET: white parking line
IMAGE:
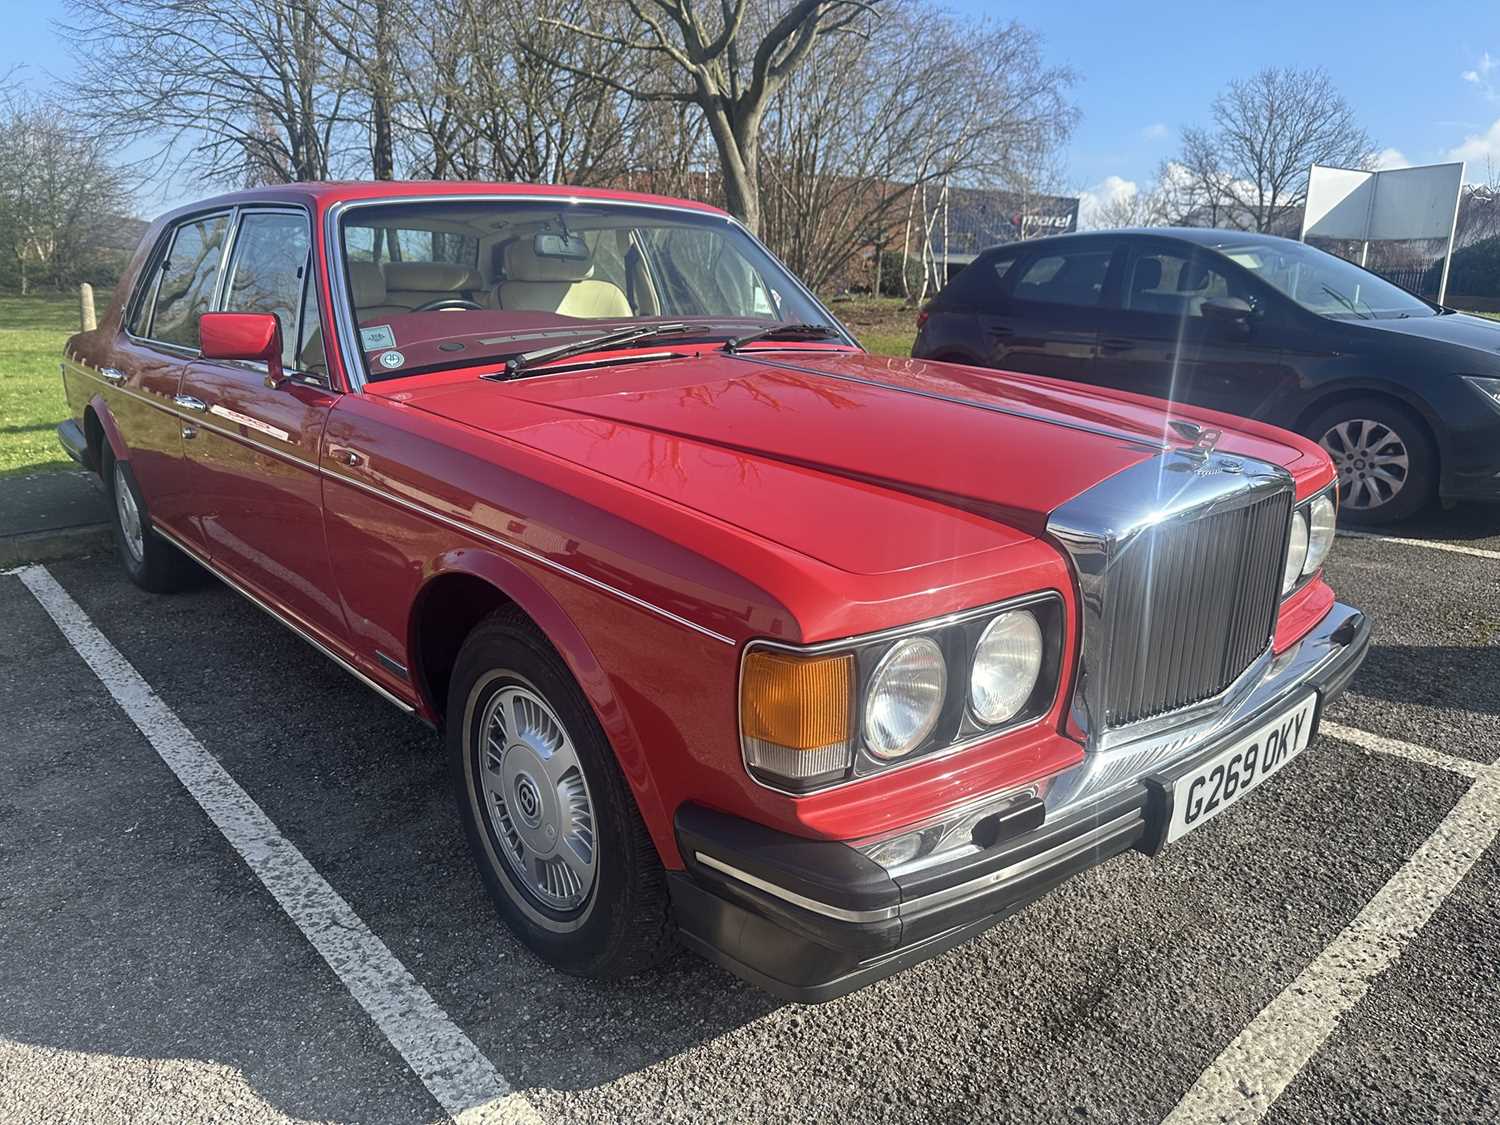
(1379, 744)
(1477, 552)
(457, 1073)
(1254, 1070)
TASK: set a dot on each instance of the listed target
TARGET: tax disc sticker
(391, 359)
(376, 337)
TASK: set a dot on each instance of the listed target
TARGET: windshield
(1325, 284)
(443, 284)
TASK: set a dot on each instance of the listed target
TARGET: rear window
(1072, 277)
(980, 285)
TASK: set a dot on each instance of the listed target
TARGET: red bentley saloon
(739, 637)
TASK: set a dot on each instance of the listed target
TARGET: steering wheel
(447, 304)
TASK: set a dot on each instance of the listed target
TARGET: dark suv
(1404, 394)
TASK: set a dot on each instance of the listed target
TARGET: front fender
(505, 575)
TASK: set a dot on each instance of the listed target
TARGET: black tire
(151, 562)
(1353, 429)
(622, 926)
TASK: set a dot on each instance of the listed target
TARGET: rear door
(1047, 322)
(1155, 339)
(160, 335)
(254, 448)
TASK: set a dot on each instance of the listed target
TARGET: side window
(1175, 284)
(188, 276)
(980, 286)
(266, 269)
(143, 299)
(1065, 277)
(311, 357)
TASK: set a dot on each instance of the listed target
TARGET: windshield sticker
(377, 337)
(391, 359)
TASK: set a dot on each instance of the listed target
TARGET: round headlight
(1007, 662)
(1322, 515)
(1296, 552)
(905, 697)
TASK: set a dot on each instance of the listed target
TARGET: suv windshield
(454, 282)
(1325, 284)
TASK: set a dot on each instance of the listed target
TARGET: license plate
(1206, 791)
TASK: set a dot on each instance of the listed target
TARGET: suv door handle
(1116, 344)
(188, 402)
(113, 374)
(1001, 332)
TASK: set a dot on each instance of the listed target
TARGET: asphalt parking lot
(1329, 950)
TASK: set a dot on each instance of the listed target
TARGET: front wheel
(550, 820)
(1387, 465)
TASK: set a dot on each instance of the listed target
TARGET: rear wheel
(1387, 464)
(550, 819)
(151, 562)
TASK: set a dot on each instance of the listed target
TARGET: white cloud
(1391, 158)
(1480, 150)
(1480, 76)
(1155, 132)
(1093, 200)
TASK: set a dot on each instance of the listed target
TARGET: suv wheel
(550, 819)
(1386, 463)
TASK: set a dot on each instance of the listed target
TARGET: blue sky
(1423, 76)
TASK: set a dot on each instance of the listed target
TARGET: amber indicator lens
(795, 714)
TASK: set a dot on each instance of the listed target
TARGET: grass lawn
(884, 325)
(32, 331)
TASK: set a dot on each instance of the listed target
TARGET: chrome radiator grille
(1188, 604)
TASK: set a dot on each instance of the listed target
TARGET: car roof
(321, 194)
(1202, 236)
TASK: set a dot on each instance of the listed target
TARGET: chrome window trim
(881, 636)
(347, 327)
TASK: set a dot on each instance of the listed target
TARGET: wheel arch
(466, 586)
(101, 431)
(1404, 403)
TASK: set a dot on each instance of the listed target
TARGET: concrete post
(86, 316)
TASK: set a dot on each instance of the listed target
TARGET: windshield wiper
(783, 331)
(619, 338)
(1345, 301)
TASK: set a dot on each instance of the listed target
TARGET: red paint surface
(774, 494)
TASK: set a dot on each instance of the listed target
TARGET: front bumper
(811, 920)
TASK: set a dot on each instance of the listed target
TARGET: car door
(1046, 321)
(1156, 340)
(160, 333)
(254, 451)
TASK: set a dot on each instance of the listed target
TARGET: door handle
(345, 456)
(1000, 332)
(188, 402)
(112, 374)
(1116, 344)
(190, 432)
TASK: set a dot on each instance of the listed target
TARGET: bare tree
(911, 97)
(58, 193)
(1249, 169)
(729, 61)
(248, 88)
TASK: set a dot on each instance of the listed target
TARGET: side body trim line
(283, 618)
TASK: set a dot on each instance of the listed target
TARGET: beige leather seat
(561, 285)
(414, 284)
(368, 286)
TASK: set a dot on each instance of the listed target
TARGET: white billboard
(1399, 203)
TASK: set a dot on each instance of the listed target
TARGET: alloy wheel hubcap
(1371, 459)
(130, 518)
(536, 799)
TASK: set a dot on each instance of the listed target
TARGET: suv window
(188, 277)
(981, 284)
(1065, 277)
(266, 271)
(1176, 283)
